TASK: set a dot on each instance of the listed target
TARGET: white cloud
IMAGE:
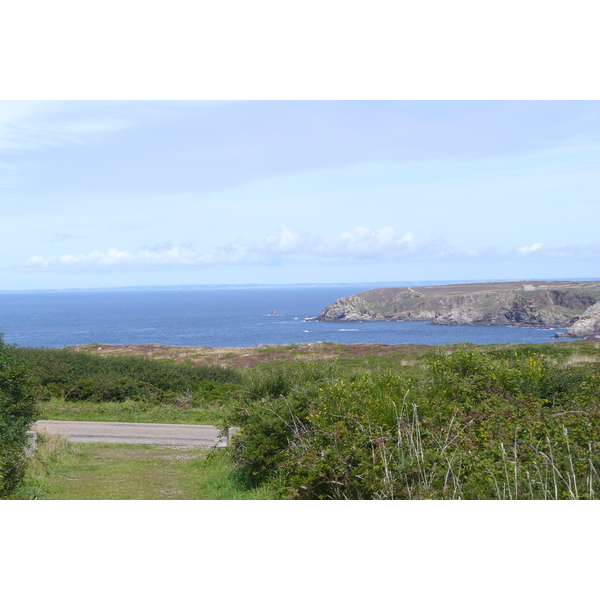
(286, 241)
(290, 246)
(530, 249)
(364, 243)
(162, 256)
(359, 245)
(547, 251)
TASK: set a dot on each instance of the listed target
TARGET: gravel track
(155, 434)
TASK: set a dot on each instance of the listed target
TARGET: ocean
(220, 318)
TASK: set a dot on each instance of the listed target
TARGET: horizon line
(288, 285)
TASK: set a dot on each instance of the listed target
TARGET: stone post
(31, 447)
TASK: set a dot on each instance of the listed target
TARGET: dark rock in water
(274, 314)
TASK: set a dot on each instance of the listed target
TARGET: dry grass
(258, 355)
(580, 358)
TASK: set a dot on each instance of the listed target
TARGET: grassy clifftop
(525, 303)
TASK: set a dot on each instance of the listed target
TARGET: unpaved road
(156, 434)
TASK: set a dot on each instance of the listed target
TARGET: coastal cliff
(588, 324)
(574, 305)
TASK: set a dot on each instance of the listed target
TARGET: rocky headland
(562, 304)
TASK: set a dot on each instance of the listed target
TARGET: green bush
(108, 387)
(16, 415)
(272, 413)
(476, 425)
(77, 376)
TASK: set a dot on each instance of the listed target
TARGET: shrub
(16, 415)
(107, 387)
(474, 426)
(82, 376)
(271, 411)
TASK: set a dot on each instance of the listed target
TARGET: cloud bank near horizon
(290, 246)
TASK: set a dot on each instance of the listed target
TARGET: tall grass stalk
(566, 434)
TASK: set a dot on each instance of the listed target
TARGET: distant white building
(528, 288)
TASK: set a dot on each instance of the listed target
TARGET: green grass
(65, 471)
(129, 411)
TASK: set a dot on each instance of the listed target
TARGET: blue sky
(112, 193)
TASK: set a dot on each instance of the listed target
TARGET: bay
(219, 318)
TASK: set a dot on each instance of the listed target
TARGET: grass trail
(66, 471)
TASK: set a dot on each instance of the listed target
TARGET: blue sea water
(220, 318)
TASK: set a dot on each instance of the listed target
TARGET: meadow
(333, 421)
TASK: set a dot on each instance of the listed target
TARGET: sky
(113, 193)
